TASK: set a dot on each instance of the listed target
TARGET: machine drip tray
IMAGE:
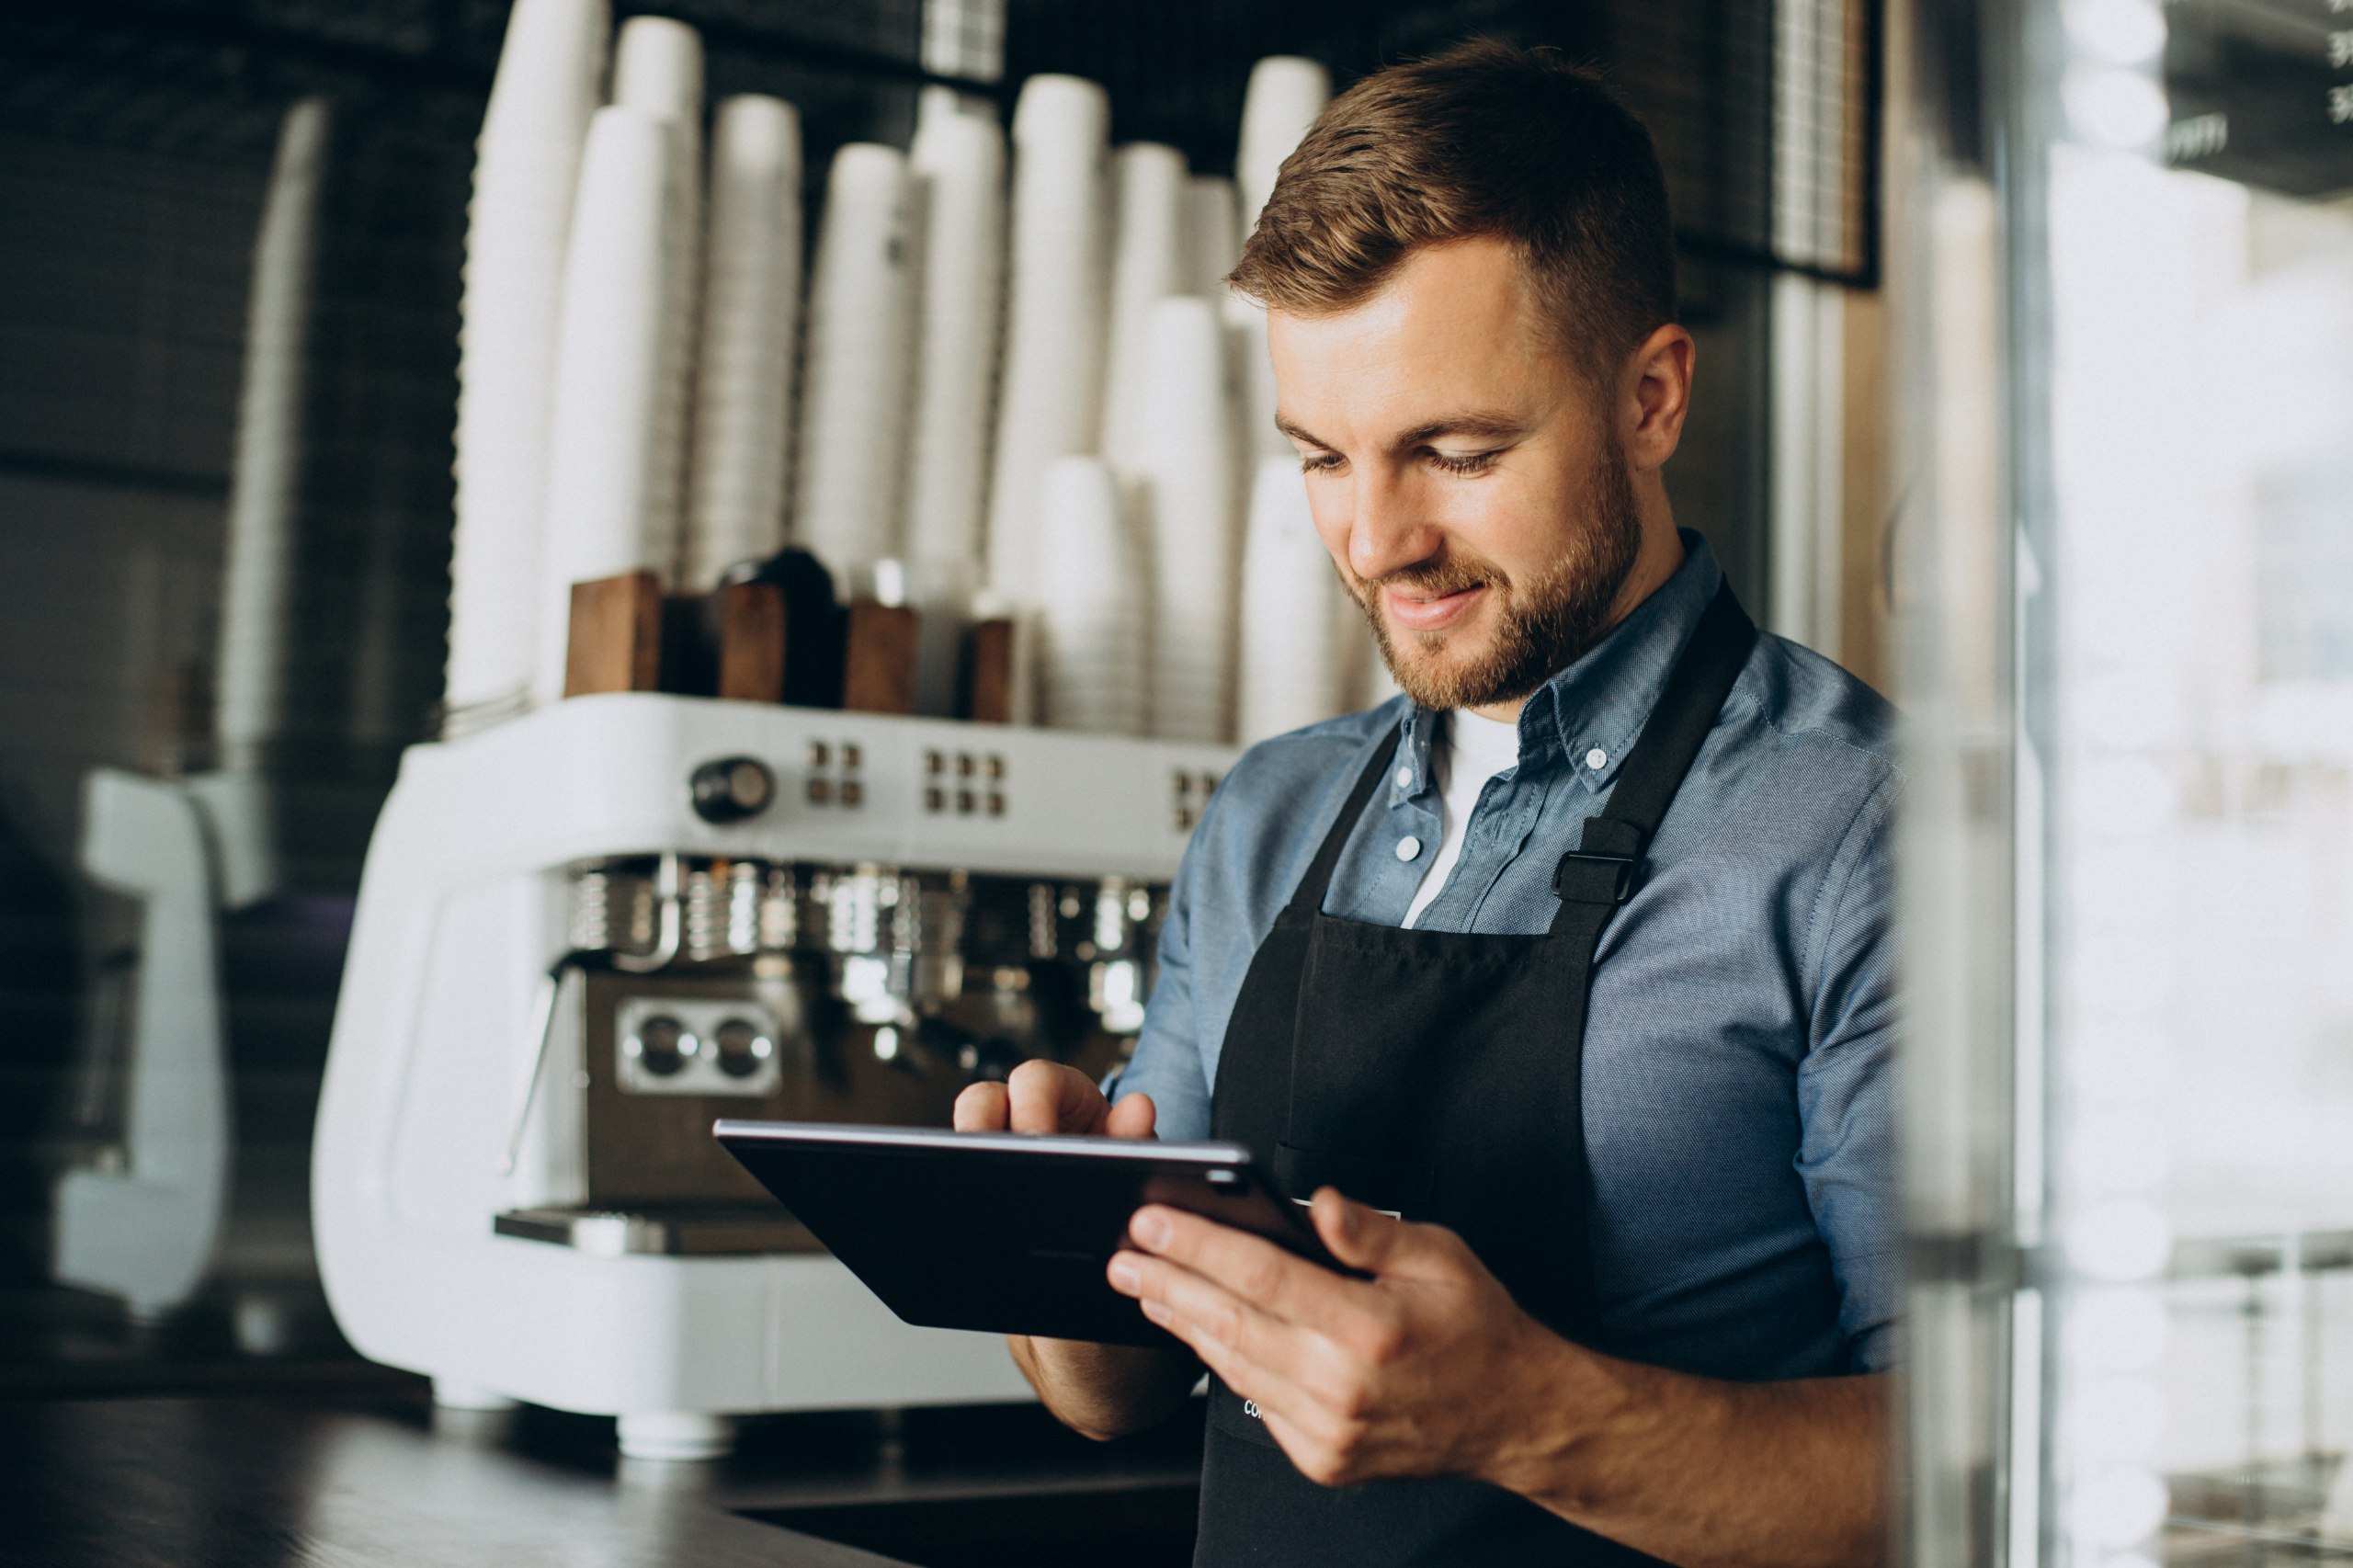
(680, 1230)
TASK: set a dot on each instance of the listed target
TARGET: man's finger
(1230, 1318)
(1297, 1445)
(1252, 1267)
(1359, 1236)
(1213, 1337)
(1248, 1268)
(1133, 1117)
(983, 1107)
(1050, 1098)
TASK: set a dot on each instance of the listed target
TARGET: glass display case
(2131, 1107)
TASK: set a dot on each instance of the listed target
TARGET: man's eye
(1468, 463)
(1318, 462)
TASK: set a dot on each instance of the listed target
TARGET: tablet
(1005, 1232)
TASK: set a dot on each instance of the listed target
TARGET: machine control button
(741, 1047)
(732, 789)
(662, 1045)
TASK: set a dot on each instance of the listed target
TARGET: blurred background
(2025, 392)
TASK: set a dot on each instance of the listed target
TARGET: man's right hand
(1103, 1390)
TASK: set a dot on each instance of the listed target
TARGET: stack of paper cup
(855, 367)
(1285, 94)
(249, 709)
(1295, 668)
(1093, 606)
(1049, 402)
(1254, 375)
(959, 162)
(1184, 444)
(751, 319)
(605, 427)
(657, 69)
(1214, 241)
(1149, 260)
(551, 75)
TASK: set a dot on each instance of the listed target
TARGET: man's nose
(1388, 530)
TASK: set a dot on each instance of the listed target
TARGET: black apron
(1437, 1074)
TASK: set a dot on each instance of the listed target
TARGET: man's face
(1467, 481)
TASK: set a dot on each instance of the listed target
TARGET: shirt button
(1408, 846)
(1404, 777)
(1596, 759)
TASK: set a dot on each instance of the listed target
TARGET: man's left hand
(1416, 1372)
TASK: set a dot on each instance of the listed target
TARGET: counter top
(346, 1482)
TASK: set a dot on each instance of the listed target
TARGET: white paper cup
(1049, 395)
(1091, 608)
(549, 80)
(751, 315)
(856, 364)
(605, 429)
(1185, 456)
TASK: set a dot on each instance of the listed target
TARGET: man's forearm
(1105, 1391)
(1704, 1473)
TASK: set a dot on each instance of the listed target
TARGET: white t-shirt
(1468, 752)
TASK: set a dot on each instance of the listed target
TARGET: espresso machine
(586, 933)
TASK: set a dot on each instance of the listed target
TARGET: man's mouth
(1420, 610)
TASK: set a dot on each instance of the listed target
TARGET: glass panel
(2200, 944)
(2203, 943)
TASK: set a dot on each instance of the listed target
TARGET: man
(1563, 982)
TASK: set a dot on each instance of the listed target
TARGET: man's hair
(1484, 141)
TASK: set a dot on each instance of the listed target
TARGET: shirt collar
(1600, 703)
(1410, 774)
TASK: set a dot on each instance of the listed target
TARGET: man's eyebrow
(1297, 434)
(1478, 425)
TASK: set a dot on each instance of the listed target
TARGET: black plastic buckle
(1571, 880)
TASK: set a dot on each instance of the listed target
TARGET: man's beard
(1541, 627)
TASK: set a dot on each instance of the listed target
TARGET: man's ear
(1655, 396)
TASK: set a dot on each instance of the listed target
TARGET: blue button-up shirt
(1738, 1107)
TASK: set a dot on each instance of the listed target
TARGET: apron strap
(1601, 872)
(1307, 899)
(1598, 876)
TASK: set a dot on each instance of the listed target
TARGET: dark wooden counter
(351, 1481)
